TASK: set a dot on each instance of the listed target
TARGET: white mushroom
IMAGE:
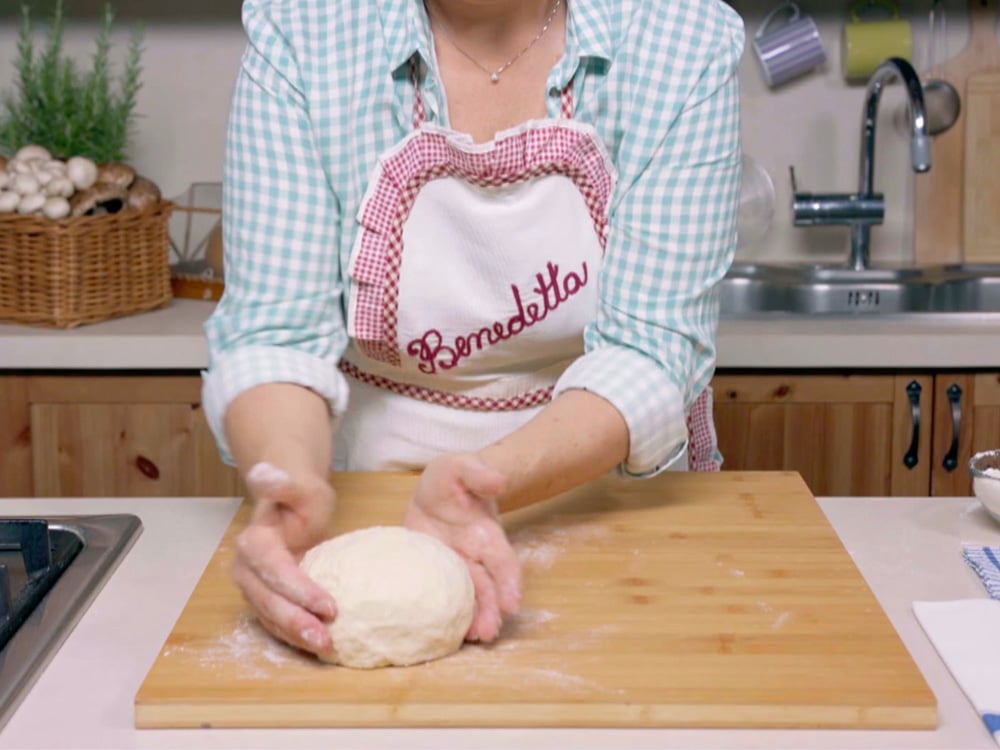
(60, 187)
(4, 180)
(20, 166)
(56, 208)
(82, 171)
(55, 166)
(25, 184)
(43, 176)
(31, 203)
(9, 201)
(33, 153)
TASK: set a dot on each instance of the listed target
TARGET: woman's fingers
(480, 480)
(290, 515)
(301, 508)
(486, 619)
(280, 617)
(262, 551)
(503, 567)
(495, 552)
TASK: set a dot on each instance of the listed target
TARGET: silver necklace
(495, 73)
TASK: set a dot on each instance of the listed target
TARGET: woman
(497, 225)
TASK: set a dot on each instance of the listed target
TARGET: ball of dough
(402, 597)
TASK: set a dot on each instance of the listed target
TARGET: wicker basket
(83, 270)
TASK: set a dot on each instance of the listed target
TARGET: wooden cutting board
(981, 190)
(688, 600)
(937, 201)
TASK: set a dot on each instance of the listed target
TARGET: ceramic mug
(866, 43)
(787, 44)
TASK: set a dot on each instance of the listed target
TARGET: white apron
(472, 277)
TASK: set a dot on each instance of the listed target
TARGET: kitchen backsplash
(813, 123)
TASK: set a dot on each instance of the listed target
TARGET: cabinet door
(124, 436)
(986, 412)
(967, 420)
(855, 435)
(15, 437)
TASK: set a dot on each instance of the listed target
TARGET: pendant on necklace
(494, 78)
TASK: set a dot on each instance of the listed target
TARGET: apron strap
(566, 101)
(420, 112)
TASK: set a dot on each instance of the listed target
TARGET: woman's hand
(455, 501)
(290, 516)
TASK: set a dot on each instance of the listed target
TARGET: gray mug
(789, 49)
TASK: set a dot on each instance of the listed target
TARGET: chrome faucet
(861, 210)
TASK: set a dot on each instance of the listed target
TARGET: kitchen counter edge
(172, 338)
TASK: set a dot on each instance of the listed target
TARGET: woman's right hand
(290, 516)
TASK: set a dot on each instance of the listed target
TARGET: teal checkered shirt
(324, 88)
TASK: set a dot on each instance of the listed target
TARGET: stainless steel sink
(756, 289)
(968, 289)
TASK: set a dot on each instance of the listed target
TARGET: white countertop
(907, 549)
(172, 338)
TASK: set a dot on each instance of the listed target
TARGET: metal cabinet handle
(912, 457)
(950, 462)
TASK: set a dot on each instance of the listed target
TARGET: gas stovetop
(50, 571)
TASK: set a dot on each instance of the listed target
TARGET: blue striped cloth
(985, 561)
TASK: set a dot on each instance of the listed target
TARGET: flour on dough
(402, 597)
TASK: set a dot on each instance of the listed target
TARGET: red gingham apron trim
(419, 111)
(522, 156)
(473, 403)
(701, 434)
(566, 102)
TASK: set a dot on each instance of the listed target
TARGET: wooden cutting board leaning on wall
(981, 189)
(938, 214)
(686, 600)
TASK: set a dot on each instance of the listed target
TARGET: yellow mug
(867, 42)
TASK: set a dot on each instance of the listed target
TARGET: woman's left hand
(456, 502)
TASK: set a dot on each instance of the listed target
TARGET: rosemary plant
(69, 110)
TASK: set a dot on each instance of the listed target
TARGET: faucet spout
(861, 210)
(920, 142)
(920, 139)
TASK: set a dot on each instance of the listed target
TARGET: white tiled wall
(812, 123)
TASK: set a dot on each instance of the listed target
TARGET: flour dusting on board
(503, 660)
(247, 650)
(539, 547)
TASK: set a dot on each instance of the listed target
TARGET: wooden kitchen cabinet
(846, 434)
(858, 435)
(96, 435)
(15, 437)
(967, 420)
(863, 435)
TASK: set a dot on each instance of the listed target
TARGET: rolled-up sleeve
(672, 235)
(281, 316)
